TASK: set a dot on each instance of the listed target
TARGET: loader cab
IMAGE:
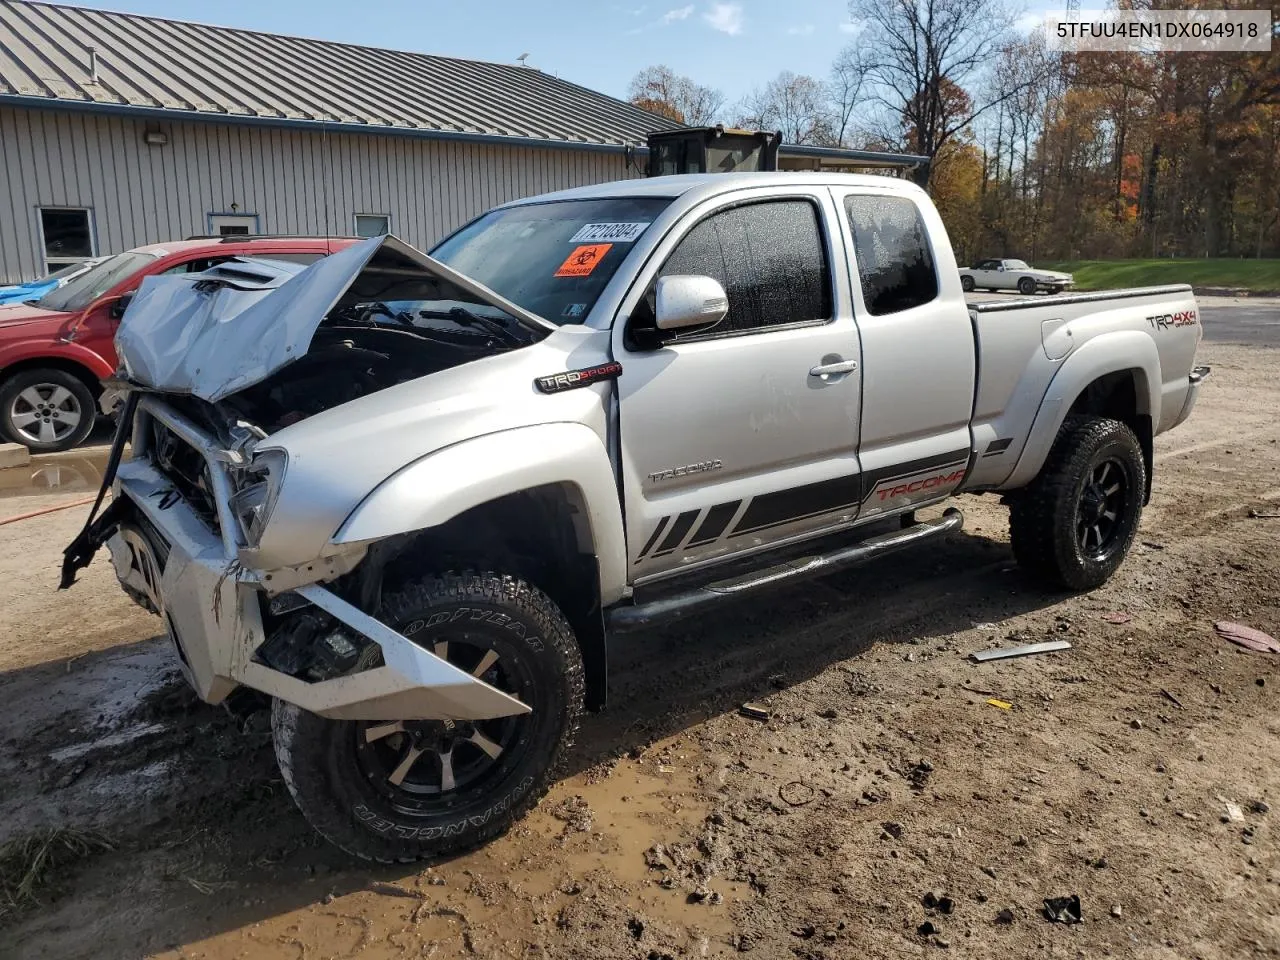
(712, 150)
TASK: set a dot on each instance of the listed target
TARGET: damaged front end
(213, 366)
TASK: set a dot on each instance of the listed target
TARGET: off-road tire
(317, 757)
(1026, 286)
(11, 387)
(966, 284)
(1044, 517)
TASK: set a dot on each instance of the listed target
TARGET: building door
(233, 225)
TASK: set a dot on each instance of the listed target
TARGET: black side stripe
(874, 478)
(797, 503)
(714, 523)
(657, 532)
(997, 447)
(683, 524)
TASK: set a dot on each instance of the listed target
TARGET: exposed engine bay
(396, 322)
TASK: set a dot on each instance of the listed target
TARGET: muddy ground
(684, 829)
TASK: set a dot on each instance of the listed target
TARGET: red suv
(54, 351)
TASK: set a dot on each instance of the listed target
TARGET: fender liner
(1125, 350)
(444, 484)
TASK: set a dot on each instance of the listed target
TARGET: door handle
(830, 369)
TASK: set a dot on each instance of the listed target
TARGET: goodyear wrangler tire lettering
(336, 771)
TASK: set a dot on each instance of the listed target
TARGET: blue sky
(733, 45)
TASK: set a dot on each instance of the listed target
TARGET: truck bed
(1024, 344)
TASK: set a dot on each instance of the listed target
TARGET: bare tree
(661, 90)
(794, 104)
(918, 52)
(844, 89)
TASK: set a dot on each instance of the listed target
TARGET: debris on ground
(1002, 704)
(28, 864)
(1063, 909)
(1029, 650)
(1005, 916)
(1232, 811)
(755, 711)
(1247, 637)
(1117, 910)
(795, 793)
(1116, 617)
(1171, 698)
(1259, 515)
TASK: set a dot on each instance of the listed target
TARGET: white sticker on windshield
(608, 232)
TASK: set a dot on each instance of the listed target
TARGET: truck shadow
(208, 835)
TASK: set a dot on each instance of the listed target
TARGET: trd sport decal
(572, 379)
(877, 490)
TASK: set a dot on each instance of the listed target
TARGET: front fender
(44, 348)
(440, 486)
(1104, 354)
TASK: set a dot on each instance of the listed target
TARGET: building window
(67, 233)
(372, 224)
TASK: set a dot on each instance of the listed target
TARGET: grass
(1258, 276)
(28, 864)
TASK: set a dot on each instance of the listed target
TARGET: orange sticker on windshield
(583, 260)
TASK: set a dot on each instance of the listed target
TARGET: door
(918, 354)
(985, 274)
(744, 435)
(233, 225)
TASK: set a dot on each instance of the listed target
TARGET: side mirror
(120, 306)
(688, 301)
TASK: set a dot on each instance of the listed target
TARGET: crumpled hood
(215, 333)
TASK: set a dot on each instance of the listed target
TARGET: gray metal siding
(296, 181)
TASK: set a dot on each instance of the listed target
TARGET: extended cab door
(918, 353)
(734, 438)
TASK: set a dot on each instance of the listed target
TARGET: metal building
(118, 130)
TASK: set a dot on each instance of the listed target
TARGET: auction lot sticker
(1161, 31)
(608, 232)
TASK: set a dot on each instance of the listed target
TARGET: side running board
(676, 606)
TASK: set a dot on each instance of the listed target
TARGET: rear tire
(1026, 286)
(966, 284)
(1074, 524)
(386, 796)
(46, 409)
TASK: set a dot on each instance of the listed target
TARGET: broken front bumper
(166, 555)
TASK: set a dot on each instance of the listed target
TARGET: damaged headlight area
(309, 644)
(257, 489)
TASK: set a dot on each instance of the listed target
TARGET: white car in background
(1012, 275)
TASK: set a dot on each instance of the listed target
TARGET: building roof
(149, 65)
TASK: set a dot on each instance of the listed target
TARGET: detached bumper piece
(163, 550)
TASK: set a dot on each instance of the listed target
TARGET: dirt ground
(685, 829)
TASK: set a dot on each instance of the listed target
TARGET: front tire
(396, 792)
(1074, 524)
(966, 284)
(1026, 286)
(46, 410)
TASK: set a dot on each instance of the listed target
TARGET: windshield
(554, 258)
(79, 292)
(1016, 265)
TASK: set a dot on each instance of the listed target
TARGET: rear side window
(770, 258)
(895, 263)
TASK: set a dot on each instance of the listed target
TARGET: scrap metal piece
(1007, 653)
(1063, 909)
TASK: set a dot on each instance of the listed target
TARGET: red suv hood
(13, 314)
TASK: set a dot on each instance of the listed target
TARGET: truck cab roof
(699, 186)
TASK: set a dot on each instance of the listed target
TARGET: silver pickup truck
(408, 497)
